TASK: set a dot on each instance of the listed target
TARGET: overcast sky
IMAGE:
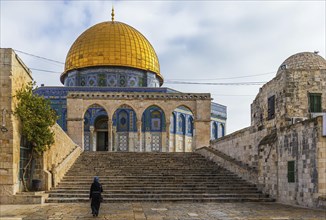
(198, 41)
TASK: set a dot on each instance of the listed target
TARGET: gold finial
(112, 14)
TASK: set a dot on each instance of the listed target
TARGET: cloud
(193, 39)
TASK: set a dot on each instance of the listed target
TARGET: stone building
(284, 149)
(112, 99)
(13, 75)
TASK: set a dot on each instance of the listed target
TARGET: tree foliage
(37, 118)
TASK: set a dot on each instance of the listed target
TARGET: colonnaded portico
(141, 122)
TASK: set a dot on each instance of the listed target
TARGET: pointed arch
(173, 122)
(182, 139)
(125, 118)
(124, 122)
(95, 128)
(221, 130)
(153, 119)
(215, 130)
(185, 108)
(153, 124)
(182, 124)
(190, 125)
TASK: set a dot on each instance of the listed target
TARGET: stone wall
(241, 145)
(59, 158)
(244, 171)
(13, 75)
(303, 144)
(270, 153)
(198, 103)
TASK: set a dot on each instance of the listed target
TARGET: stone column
(193, 137)
(75, 130)
(167, 128)
(75, 120)
(91, 141)
(139, 134)
(202, 127)
(110, 136)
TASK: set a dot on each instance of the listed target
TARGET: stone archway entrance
(101, 132)
(96, 129)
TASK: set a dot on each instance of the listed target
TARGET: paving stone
(162, 211)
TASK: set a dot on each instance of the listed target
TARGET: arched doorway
(153, 125)
(101, 133)
(96, 129)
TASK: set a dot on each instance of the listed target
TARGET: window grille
(315, 102)
(291, 171)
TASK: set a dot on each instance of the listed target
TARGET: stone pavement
(161, 211)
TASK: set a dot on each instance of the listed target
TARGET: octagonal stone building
(112, 99)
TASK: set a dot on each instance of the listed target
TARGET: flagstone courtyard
(161, 211)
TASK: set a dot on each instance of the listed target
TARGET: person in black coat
(95, 196)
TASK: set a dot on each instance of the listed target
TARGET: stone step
(153, 177)
(158, 184)
(172, 199)
(148, 180)
(196, 187)
(161, 190)
(130, 178)
(161, 195)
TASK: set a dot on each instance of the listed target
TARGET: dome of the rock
(112, 44)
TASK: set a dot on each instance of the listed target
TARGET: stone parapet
(241, 145)
(247, 173)
(59, 158)
(59, 171)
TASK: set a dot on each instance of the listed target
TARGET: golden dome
(112, 44)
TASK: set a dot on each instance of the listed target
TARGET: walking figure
(95, 196)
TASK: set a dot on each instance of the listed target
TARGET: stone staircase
(153, 177)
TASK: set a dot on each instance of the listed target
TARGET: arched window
(122, 121)
(215, 132)
(181, 124)
(153, 119)
(173, 124)
(222, 130)
(190, 125)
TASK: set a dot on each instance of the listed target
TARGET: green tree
(37, 118)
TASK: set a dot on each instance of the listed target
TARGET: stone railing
(241, 145)
(59, 158)
(246, 172)
(59, 171)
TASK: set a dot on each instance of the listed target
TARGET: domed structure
(112, 44)
(304, 60)
(110, 100)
